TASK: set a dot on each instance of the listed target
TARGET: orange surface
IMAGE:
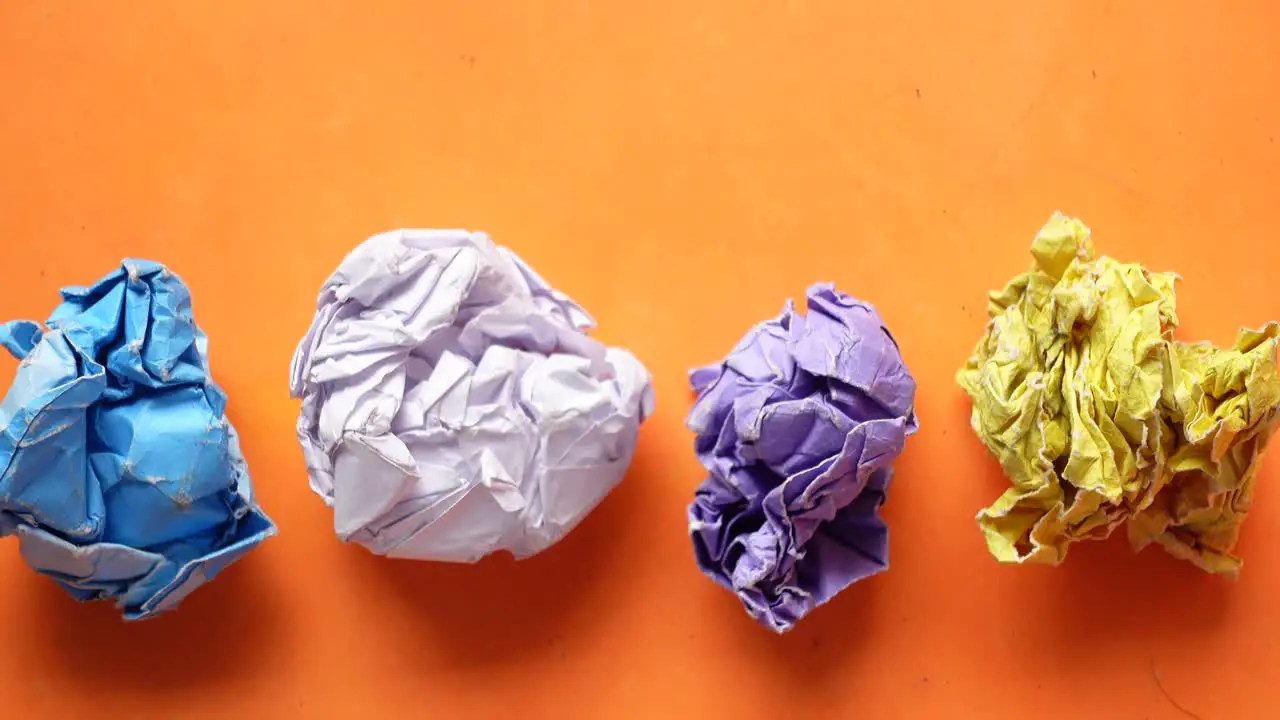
(680, 168)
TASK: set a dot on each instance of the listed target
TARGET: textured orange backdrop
(680, 168)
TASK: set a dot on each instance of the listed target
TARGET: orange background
(680, 168)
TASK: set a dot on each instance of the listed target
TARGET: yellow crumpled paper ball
(1098, 416)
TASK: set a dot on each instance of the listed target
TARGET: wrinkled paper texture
(122, 477)
(453, 404)
(798, 429)
(1098, 416)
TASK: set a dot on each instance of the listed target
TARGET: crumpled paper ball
(453, 404)
(122, 477)
(798, 429)
(1099, 416)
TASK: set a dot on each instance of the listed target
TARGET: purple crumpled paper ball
(798, 428)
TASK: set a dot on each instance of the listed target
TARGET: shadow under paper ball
(1107, 595)
(501, 609)
(821, 644)
(824, 643)
(1103, 594)
(227, 629)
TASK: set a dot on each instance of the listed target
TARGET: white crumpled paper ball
(452, 403)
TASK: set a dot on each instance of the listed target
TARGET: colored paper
(453, 404)
(798, 429)
(1099, 416)
(122, 477)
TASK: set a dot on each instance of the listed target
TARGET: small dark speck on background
(41, 272)
(917, 93)
(82, 227)
(924, 679)
(1094, 73)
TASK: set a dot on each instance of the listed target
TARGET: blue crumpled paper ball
(798, 430)
(119, 471)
